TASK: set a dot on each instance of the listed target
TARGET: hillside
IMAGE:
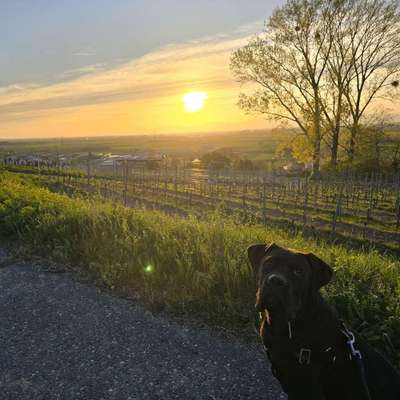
(189, 266)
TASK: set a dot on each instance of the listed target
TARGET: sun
(194, 101)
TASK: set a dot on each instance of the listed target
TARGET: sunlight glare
(194, 101)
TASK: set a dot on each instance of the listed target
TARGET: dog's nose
(276, 280)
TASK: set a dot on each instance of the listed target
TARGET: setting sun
(194, 101)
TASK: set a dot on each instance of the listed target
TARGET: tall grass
(192, 266)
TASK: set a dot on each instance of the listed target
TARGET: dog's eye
(297, 271)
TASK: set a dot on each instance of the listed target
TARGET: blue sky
(54, 40)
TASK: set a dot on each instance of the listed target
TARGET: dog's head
(287, 279)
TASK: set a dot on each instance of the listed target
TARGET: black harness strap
(291, 352)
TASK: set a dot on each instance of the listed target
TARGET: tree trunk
(317, 134)
(316, 158)
(377, 151)
(336, 132)
(352, 143)
(334, 148)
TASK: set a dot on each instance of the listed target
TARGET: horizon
(149, 134)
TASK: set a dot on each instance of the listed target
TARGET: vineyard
(365, 208)
(190, 266)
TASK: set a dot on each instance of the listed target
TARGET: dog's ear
(256, 252)
(321, 271)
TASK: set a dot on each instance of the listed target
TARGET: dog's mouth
(271, 303)
(276, 306)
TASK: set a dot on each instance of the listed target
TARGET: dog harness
(311, 357)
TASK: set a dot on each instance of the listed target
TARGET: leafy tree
(320, 64)
(218, 159)
(287, 63)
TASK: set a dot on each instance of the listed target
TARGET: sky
(101, 67)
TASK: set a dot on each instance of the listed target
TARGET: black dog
(312, 353)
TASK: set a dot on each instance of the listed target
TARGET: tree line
(328, 67)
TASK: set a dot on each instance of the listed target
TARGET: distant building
(34, 160)
(294, 167)
(137, 160)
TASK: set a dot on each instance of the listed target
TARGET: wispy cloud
(4, 90)
(171, 68)
(84, 53)
(87, 69)
(169, 71)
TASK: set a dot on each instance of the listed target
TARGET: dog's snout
(276, 280)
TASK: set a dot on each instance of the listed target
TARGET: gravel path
(63, 339)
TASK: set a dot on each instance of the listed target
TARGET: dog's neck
(280, 324)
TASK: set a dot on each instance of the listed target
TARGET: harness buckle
(351, 340)
(305, 356)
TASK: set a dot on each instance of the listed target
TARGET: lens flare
(149, 269)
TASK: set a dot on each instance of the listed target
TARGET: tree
(339, 71)
(218, 159)
(363, 64)
(374, 38)
(320, 64)
(288, 63)
(298, 147)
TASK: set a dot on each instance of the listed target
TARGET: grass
(191, 266)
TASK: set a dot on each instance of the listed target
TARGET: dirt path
(64, 339)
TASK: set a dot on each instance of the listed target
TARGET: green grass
(191, 266)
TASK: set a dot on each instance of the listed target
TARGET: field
(254, 145)
(191, 266)
(177, 233)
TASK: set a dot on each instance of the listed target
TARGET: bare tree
(338, 75)
(288, 63)
(374, 35)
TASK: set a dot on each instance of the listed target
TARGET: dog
(312, 352)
